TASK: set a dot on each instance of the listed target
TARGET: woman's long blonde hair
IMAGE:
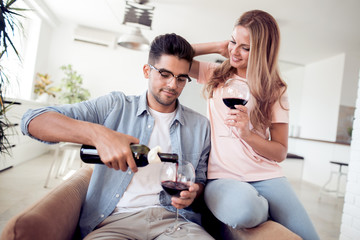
(263, 75)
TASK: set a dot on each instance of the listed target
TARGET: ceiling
(310, 30)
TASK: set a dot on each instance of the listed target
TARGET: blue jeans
(248, 204)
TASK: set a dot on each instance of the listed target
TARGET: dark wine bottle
(89, 154)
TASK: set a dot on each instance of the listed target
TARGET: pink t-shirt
(233, 157)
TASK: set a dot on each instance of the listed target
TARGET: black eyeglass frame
(162, 71)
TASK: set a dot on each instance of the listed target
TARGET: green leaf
(72, 90)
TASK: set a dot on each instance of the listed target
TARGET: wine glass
(235, 92)
(174, 178)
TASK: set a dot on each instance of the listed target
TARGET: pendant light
(136, 14)
(134, 40)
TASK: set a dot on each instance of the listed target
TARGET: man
(123, 201)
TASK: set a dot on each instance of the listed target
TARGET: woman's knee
(236, 204)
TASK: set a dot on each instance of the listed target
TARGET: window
(20, 73)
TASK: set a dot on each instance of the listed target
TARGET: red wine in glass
(231, 102)
(174, 188)
(235, 92)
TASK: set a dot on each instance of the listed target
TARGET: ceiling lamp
(136, 14)
(134, 40)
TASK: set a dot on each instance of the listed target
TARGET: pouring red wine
(175, 178)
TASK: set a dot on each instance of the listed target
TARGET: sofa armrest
(56, 215)
(269, 230)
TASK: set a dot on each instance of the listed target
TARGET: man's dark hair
(170, 44)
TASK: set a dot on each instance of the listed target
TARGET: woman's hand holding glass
(235, 92)
(238, 118)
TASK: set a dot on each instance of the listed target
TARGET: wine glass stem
(176, 220)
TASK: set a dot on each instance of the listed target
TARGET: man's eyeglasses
(167, 76)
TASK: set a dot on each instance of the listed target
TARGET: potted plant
(8, 24)
(71, 87)
(42, 87)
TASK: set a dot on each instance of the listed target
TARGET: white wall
(350, 227)
(320, 98)
(350, 79)
(295, 80)
(192, 97)
(315, 96)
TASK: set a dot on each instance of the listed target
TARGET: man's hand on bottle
(114, 149)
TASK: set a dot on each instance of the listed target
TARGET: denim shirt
(189, 135)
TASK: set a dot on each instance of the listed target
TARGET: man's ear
(146, 70)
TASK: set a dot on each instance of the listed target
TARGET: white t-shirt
(144, 188)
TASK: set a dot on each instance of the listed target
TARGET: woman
(246, 184)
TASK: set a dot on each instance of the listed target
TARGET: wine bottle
(89, 154)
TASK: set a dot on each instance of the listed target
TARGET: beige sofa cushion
(56, 215)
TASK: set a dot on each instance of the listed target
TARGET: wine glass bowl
(175, 178)
(235, 92)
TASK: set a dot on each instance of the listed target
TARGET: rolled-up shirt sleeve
(94, 110)
(28, 117)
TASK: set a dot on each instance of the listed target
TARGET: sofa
(56, 215)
